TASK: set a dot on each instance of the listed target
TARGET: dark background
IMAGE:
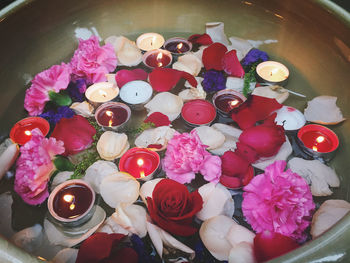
(343, 3)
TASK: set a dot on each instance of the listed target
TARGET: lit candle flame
(68, 198)
(102, 93)
(142, 174)
(72, 206)
(109, 113)
(140, 162)
(320, 139)
(179, 46)
(234, 103)
(28, 133)
(159, 58)
(110, 123)
(153, 40)
(274, 71)
(314, 148)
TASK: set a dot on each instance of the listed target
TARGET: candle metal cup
(107, 111)
(272, 73)
(227, 94)
(149, 41)
(157, 58)
(313, 137)
(141, 163)
(198, 112)
(136, 94)
(178, 46)
(101, 92)
(21, 131)
(76, 220)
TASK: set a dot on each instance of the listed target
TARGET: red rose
(103, 247)
(75, 132)
(173, 207)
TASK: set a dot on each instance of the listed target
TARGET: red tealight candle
(157, 58)
(178, 45)
(21, 132)
(318, 138)
(112, 114)
(198, 112)
(227, 100)
(139, 162)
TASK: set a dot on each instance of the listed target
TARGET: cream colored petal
(166, 103)
(160, 135)
(29, 239)
(60, 178)
(128, 54)
(216, 31)
(111, 145)
(273, 92)
(189, 63)
(238, 234)
(109, 226)
(210, 136)
(66, 255)
(147, 189)
(84, 108)
(8, 158)
(242, 253)
(242, 46)
(119, 188)
(231, 138)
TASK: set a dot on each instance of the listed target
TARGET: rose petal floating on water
(231, 64)
(97, 171)
(84, 108)
(158, 119)
(29, 239)
(147, 189)
(112, 145)
(329, 213)
(231, 137)
(164, 79)
(210, 137)
(213, 56)
(216, 32)
(217, 200)
(203, 39)
(189, 63)
(160, 135)
(166, 103)
(319, 175)
(273, 92)
(237, 84)
(323, 110)
(242, 46)
(242, 253)
(128, 54)
(110, 226)
(124, 76)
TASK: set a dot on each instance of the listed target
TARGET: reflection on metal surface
(343, 48)
(279, 16)
(247, 3)
(331, 258)
(85, 33)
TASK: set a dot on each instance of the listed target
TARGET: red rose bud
(265, 140)
(237, 180)
(231, 64)
(164, 79)
(103, 247)
(172, 207)
(159, 119)
(213, 56)
(75, 132)
(233, 164)
(203, 39)
(269, 245)
(246, 152)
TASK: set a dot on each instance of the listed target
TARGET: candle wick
(136, 94)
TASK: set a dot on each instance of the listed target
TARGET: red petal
(247, 152)
(213, 55)
(124, 76)
(98, 247)
(155, 146)
(159, 119)
(230, 181)
(231, 65)
(232, 164)
(204, 39)
(125, 255)
(164, 79)
(269, 245)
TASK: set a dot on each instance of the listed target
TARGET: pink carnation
(279, 201)
(54, 79)
(93, 62)
(186, 156)
(34, 167)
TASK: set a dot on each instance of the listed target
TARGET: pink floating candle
(21, 132)
(198, 112)
(178, 45)
(227, 100)
(140, 163)
(157, 58)
(112, 115)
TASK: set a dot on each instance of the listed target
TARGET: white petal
(30, 239)
(242, 253)
(147, 189)
(166, 103)
(216, 31)
(210, 137)
(66, 255)
(59, 178)
(84, 108)
(8, 158)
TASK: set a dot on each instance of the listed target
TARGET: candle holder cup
(112, 116)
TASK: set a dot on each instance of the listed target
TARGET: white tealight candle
(272, 72)
(136, 92)
(149, 41)
(101, 92)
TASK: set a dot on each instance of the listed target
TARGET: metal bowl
(313, 42)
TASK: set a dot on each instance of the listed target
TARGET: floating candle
(157, 58)
(136, 93)
(101, 92)
(227, 100)
(178, 45)
(21, 131)
(198, 112)
(272, 72)
(149, 41)
(140, 163)
(112, 115)
(71, 202)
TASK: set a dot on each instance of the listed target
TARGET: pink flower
(186, 156)
(279, 201)
(53, 79)
(92, 62)
(34, 167)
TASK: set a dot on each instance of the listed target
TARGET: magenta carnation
(54, 79)
(186, 156)
(279, 201)
(34, 167)
(93, 62)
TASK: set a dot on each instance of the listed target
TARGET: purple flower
(54, 116)
(254, 55)
(76, 90)
(214, 81)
